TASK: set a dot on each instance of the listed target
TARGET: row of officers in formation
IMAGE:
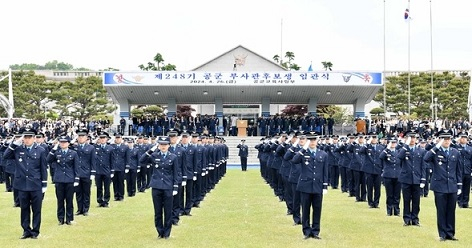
(300, 166)
(180, 169)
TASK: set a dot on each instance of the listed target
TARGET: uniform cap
(163, 140)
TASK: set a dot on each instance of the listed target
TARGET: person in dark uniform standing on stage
(30, 180)
(65, 178)
(446, 183)
(312, 184)
(243, 153)
(164, 184)
(86, 172)
(390, 174)
(412, 178)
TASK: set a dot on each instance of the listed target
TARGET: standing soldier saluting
(446, 183)
(30, 180)
(164, 184)
(243, 153)
(312, 184)
(65, 178)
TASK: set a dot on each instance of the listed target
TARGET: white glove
(126, 171)
(154, 148)
(138, 170)
(174, 192)
(307, 144)
(56, 146)
(431, 171)
(112, 175)
(273, 140)
(408, 140)
(194, 178)
(18, 142)
(44, 189)
(389, 146)
(438, 145)
(296, 142)
(92, 177)
(73, 141)
(76, 184)
(148, 166)
(369, 141)
(203, 174)
(184, 183)
(422, 185)
(325, 191)
(279, 139)
(459, 191)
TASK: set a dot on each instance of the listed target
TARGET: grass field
(241, 211)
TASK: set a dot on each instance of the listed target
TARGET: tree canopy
(33, 96)
(451, 93)
(51, 65)
(157, 65)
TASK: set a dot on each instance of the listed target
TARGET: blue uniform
(86, 168)
(165, 179)
(66, 174)
(30, 178)
(446, 180)
(119, 162)
(313, 179)
(466, 157)
(372, 169)
(390, 173)
(103, 158)
(412, 174)
(294, 176)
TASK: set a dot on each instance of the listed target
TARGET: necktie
(63, 152)
(163, 156)
(447, 153)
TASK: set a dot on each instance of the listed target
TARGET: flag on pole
(310, 68)
(407, 14)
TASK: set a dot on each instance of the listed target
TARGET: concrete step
(232, 142)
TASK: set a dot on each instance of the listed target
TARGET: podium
(242, 125)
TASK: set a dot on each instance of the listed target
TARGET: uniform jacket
(314, 171)
(86, 158)
(372, 163)
(390, 165)
(165, 171)
(103, 158)
(447, 173)
(31, 167)
(413, 169)
(243, 150)
(295, 169)
(67, 165)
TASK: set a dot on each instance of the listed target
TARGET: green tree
(29, 94)
(377, 111)
(83, 99)
(289, 63)
(451, 92)
(157, 65)
(185, 110)
(153, 110)
(327, 65)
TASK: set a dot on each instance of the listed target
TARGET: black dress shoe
(68, 223)
(61, 223)
(188, 214)
(306, 237)
(85, 213)
(175, 223)
(406, 224)
(166, 237)
(442, 239)
(25, 236)
(316, 237)
(78, 213)
(452, 238)
(34, 236)
(416, 223)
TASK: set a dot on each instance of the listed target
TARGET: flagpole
(384, 86)
(432, 73)
(409, 106)
(10, 95)
(281, 38)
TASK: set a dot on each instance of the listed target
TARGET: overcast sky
(123, 34)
